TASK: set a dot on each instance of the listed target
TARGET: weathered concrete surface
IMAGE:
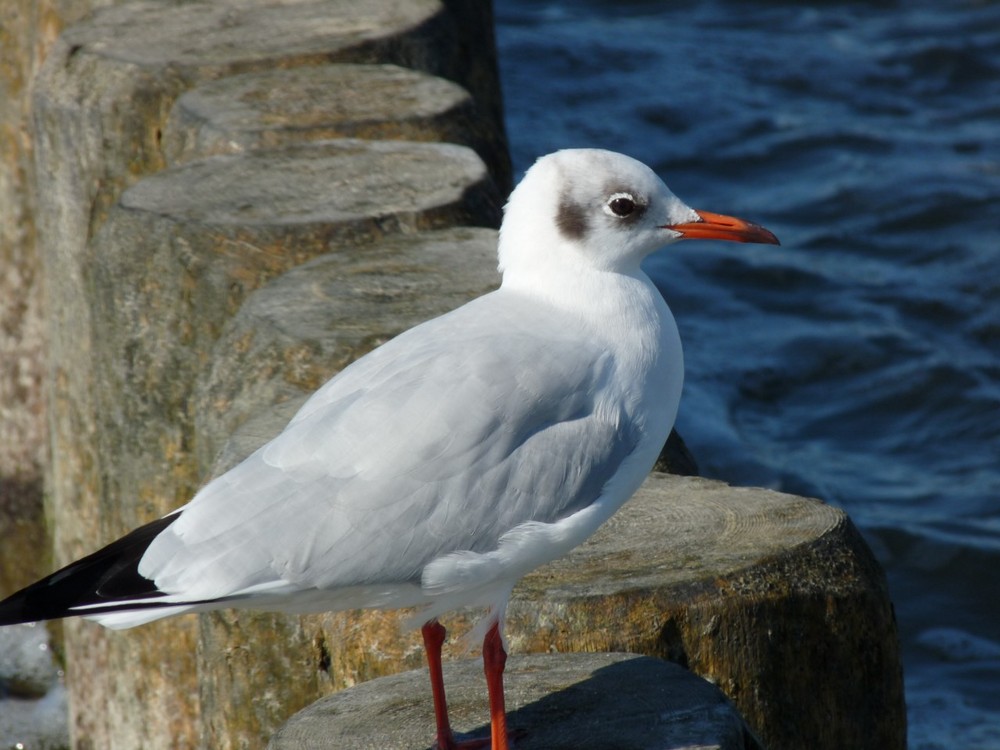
(379, 102)
(557, 701)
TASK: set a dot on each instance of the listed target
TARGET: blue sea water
(860, 361)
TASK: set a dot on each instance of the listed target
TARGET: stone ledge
(603, 701)
(274, 108)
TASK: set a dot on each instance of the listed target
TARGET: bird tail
(106, 582)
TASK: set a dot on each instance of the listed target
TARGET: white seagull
(442, 467)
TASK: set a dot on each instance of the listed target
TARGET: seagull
(440, 468)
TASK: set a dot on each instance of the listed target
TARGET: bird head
(588, 208)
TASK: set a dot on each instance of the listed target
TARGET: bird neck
(625, 310)
(573, 285)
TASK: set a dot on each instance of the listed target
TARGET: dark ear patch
(571, 219)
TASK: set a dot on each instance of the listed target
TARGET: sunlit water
(860, 361)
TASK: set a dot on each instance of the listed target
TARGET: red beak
(720, 227)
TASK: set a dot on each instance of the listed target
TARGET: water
(860, 361)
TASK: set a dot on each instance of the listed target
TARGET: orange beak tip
(711, 226)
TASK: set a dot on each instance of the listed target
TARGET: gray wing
(440, 441)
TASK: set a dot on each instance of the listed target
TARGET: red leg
(494, 661)
(434, 635)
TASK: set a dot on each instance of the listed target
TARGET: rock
(559, 701)
(286, 106)
(26, 666)
(32, 697)
(675, 458)
(35, 724)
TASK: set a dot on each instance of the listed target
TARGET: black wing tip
(103, 578)
(17, 609)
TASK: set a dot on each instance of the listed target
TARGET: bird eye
(621, 206)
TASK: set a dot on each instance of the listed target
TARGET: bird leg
(494, 661)
(434, 634)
